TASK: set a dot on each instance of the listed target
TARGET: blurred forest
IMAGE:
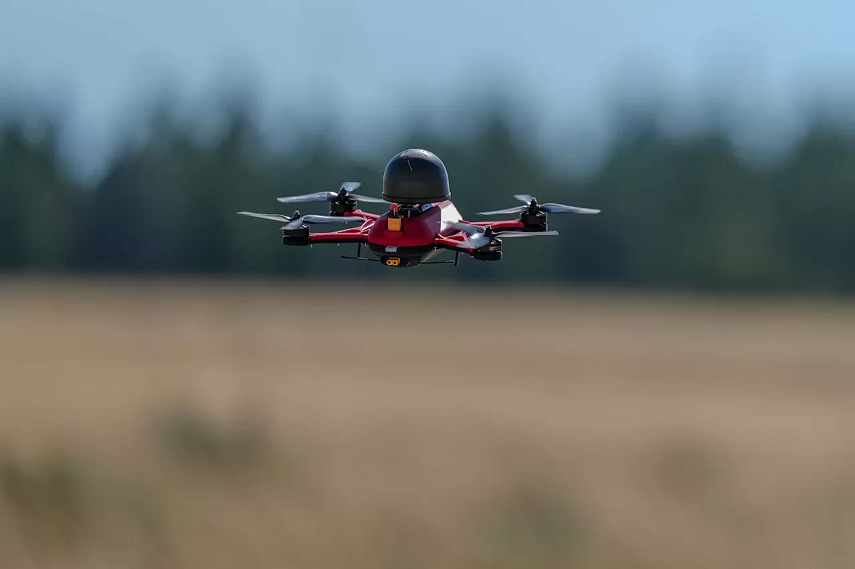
(678, 212)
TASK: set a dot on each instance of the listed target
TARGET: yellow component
(393, 224)
(393, 261)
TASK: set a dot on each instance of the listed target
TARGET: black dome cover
(415, 176)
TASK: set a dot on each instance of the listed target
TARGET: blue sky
(567, 58)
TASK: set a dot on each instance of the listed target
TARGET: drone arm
(471, 239)
(335, 237)
(363, 214)
(349, 235)
(456, 242)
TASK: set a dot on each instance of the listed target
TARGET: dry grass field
(211, 425)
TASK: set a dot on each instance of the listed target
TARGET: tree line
(678, 212)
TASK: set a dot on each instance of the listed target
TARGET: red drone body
(421, 223)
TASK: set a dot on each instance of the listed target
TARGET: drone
(421, 223)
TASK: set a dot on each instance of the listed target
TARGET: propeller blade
(560, 208)
(348, 188)
(518, 209)
(317, 219)
(298, 221)
(272, 216)
(526, 234)
(524, 198)
(317, 197)
(369, 199)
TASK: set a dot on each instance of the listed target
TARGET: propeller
(533, 207)
(296, 220)
(479, 236)
(342, 196)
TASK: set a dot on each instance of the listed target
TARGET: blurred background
(668, 384)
